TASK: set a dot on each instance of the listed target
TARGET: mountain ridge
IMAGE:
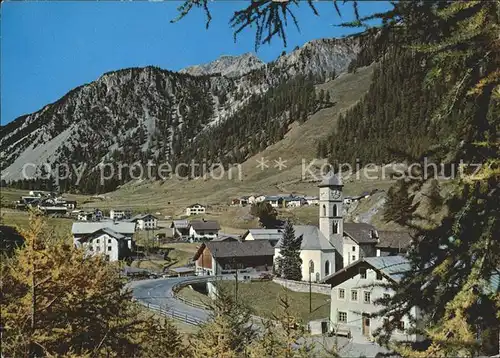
(226, 65)
(149, 111)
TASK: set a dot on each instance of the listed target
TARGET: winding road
(158, 294)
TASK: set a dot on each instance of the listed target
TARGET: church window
(335, 227)
(311, 266)
(324, 210)
(327, 268)
(335, 210)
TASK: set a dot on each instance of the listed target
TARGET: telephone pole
(310, 292)
(236, 286)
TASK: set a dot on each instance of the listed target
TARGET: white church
(334, 244)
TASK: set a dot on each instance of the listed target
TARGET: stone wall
(303, 286)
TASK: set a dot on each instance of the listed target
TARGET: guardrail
(175, 289)
(192, 303)
(174, 314)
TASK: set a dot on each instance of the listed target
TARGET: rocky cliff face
(142, 113)
(231, 66)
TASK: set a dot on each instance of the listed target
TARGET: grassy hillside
(169, 198)
(300, 143)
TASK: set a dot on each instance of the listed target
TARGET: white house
(70, 204)
(145, 221)
(356, 287)
(312, 200)
(294, 201)
(119, 214)
(83, 215)
(195, 209)
(110, 238)
(275, 201)
(254, 199)
(203, 229)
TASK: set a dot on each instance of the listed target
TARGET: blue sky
(48, 48)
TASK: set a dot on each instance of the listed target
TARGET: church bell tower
(331, 221)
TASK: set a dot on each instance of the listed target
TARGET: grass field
(20, 219)
(263, 299)
(191, 295)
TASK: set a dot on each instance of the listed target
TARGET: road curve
(159, 293)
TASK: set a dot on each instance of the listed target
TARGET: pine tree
(58, 301)
(289, 262)
(266, 213)
(321, 95)
(228, 333)
(398, 206)
(327, 97)
(160, 338)
(434, 196)
(284, 336)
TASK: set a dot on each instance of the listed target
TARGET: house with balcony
(196, 209)
(354, 290)
(203, 229)
(145, 221)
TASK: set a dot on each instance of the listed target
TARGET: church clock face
(336, 194)
(324, 195)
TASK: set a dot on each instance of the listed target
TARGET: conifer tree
(284, 336)
(434, 196)
(327, 97)
(398, 206)
(58, 301)
(289, 262)
(266, 213)
(229, 331)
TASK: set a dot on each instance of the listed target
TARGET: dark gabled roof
(179, 224)
(226, 238)
(105, 230)
(362, 233)
(237, 248)
(205, 225)
(141, 217)
(392, 267)
(394, 239)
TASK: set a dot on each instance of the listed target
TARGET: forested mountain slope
(151, 114)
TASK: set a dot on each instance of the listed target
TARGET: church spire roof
(331, 179)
